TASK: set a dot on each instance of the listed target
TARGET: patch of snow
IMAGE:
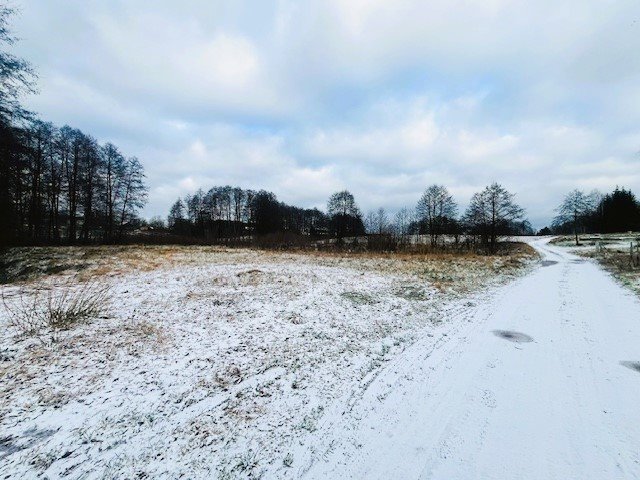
(229, 365)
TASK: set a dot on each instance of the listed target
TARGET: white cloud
(387, 135)
(227, 155)
(303, 98)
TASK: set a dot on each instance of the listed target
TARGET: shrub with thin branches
(44, 310)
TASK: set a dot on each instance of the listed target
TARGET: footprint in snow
(632, 365)
(512, 336)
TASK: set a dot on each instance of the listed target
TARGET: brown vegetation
(43, 310)
(24, 264)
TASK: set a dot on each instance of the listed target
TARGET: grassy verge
(618, 263)
(612, 252)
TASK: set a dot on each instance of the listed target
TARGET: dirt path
(538, 382)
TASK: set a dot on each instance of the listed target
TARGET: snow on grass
(212, 362)
(612, 251)
(589, 242)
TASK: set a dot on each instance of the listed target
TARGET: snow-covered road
(537, 382)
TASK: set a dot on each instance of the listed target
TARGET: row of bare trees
(226, 212)
(491, 213)
(58, 184)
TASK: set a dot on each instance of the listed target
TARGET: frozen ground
(588, 242)
(612, 251)
(243, 364)
(219, 364)
(542, 380)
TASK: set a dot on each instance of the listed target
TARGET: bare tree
(114, 171)
(492, 212)
(435, 210)
(342, 203)
(133, 191)
(573, 209)
(238, 201)
(402, 220)
(370, 222)
(176, 213)
(92, 185)
(377, 222)
(346, 218)
(39, 143)
(382, 221)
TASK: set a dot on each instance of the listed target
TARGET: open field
(209, 362)
(612, 251)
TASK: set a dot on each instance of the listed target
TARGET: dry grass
(591, 240)
(618, 263)
(259, 337)
(31, 263)
(140, 335)
(448, 272)
(43, 310)
(26, 264)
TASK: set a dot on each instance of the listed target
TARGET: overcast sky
(380, 97)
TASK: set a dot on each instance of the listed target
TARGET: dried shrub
(44, 310)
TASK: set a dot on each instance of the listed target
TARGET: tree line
(225, 213)
(231, 212)
(58, 185)
(579, 212)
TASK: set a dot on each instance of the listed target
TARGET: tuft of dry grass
(145, 330)
(44, 310)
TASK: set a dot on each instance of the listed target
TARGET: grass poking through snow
(210, 361)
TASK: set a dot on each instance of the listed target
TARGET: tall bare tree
(92, 185)
(574, 208)
(345, 215)
(491, 212)
(402, 221)
(114, 164)
(382, 221)
(436, 208)
(133, 191)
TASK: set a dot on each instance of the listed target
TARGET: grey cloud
(380, 97)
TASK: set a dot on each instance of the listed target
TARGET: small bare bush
(44, 310)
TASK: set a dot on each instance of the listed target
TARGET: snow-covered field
(215, 363)
(540, 381)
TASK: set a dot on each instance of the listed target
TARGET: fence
(634, 255)
(633, 259)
